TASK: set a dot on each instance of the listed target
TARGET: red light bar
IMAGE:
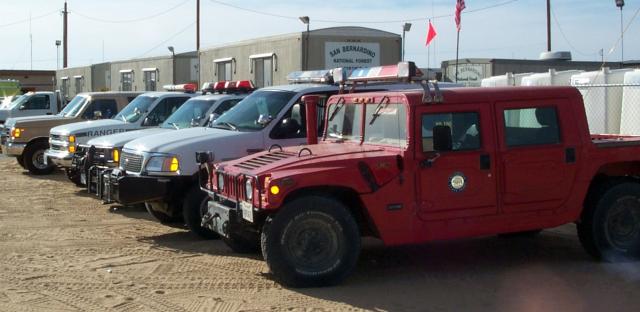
(245, 85)
(219, 86)
(230, 85)
(186, 87)
(401, 71)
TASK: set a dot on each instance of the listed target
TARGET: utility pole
(197, 38)
(548, 25)
(64, 36)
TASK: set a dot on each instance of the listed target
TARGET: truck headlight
(220, 182)
(248, 189)
(16, 132)
(163, 164)
(72, 139)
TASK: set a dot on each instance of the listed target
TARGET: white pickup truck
(145, 111)
(32, 104)
(102, 153)
(161, 170)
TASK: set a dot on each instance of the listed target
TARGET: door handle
(570, 155)
(485, 162)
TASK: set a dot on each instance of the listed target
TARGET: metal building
(150, 74)
(267, 61)
(472, 70)
(73, 80)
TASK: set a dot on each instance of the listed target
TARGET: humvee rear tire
(609, 229)
(160, 216)
(34, 158)
(20, 161)
(193, 209)
(313, 241)
(73, 176)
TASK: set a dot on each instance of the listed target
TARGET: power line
(165, 41)
(28, 19)
(360, 22)
(132, 20)
(573, 48)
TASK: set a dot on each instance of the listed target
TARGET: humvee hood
(305, 157)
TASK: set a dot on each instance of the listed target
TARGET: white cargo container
(506, 80)
(630, 119)
(602, 94)
(551, 78)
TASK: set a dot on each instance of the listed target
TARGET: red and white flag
(431, 33)
(459, 7)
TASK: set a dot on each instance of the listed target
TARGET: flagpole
(457, 49)
(428, 54)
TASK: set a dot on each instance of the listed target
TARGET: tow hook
(206, 218)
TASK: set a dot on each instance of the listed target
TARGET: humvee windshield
(385, 124)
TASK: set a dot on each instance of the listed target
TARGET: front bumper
(125, 189)
(225, 216)
(13, 149)
(58, 158)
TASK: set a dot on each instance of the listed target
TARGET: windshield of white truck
(190, 114)
(74, 107)
(135, 109)
(255, 111)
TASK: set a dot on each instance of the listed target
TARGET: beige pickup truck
(26, 138)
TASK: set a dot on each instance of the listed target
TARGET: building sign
(468, 74)
(351, 54)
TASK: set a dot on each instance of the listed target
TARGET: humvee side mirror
(442, 140)
(97, 114)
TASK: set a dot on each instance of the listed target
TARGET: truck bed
(614, 140)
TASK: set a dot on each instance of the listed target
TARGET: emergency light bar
(185, 87)
(402, 71)
(310, 76)
(227, 86)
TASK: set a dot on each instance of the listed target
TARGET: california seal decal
(457, 182)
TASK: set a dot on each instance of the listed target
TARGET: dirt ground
(62, 250)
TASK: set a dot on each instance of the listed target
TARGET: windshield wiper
(175, 125)
(380, 106)
(339, 105)
(227, 124)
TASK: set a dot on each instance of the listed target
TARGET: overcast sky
(134, 28)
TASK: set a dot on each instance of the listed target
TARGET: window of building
(126, 80)
(531, 126)
(78, 83)
(64, 87)
(223, 68)
(150, 79)
(465, 130)
(263, 72)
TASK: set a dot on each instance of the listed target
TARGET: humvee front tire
(313, 241)
(193, 209)
(34, 158)
(610, 228)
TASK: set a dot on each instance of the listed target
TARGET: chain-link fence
(612, 108)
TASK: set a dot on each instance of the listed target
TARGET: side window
(294, 123)
(163, 110)
(465, 130)
(225, 106)
(101, 109)
(38, 101)
(531, 126)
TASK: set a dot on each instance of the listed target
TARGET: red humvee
(411, 167)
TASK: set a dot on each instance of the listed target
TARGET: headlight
(220, 182)
(16, 132)
(248, 189)
(163, 164)
(72, 148)
(72, 139)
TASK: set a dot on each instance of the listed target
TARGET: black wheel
(34, 158)
(313, 241)
(193, 209)
(73, 176)
(244, 243)
(531, 233)
(20, 161)
(610, 228)
(160, 216)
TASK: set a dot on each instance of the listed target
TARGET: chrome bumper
(58, 158)
(13, 149)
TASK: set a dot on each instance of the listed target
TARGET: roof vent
(555, 56)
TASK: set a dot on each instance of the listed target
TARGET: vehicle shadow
(130, 211)
(185, 241)
(547, 272)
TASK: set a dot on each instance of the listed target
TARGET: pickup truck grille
(57, 147)
(57, 137)
(131, 162)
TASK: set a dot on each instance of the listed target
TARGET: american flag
(459, 7)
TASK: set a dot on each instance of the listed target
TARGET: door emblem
(457, 182)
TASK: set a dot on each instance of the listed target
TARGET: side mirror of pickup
(442, 140)
(22, 107)
(212, 118)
